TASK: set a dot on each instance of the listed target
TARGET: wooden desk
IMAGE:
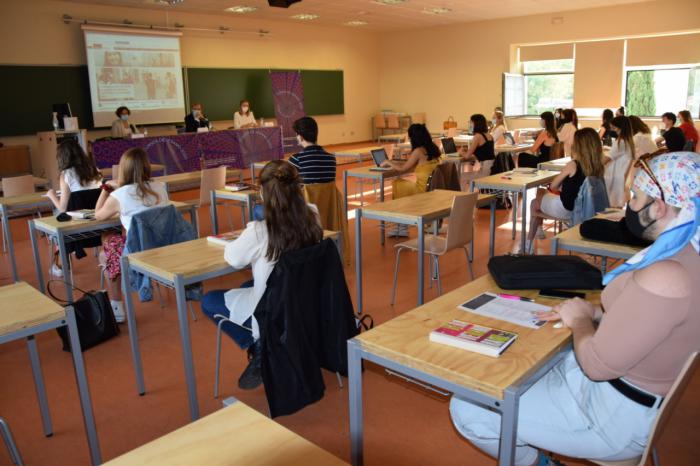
(556, 165)
(247, 197)
(26, 312)
(360, 153)
(518, 184)
(76, 229)
(18, 203)
(177, 266)
(402, 345)
(38, 183)
(416, 210)
(399, 137)
(236, 435)
(189, 179)
(571, 240)
(155, 167)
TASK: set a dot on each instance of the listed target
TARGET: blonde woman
(498, 128)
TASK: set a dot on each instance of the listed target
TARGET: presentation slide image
(133, 59)
(117, 84)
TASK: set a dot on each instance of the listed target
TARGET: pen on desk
(515, 297)
(506, 178)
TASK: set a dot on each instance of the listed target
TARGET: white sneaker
(540, 233)
(118, 309)
(56, 271)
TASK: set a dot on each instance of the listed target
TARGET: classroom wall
(456, 70)
(32, 32)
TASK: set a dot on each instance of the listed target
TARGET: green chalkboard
(220, 91)
(27, 93)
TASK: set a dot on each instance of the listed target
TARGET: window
(652, 91)
(549, 84)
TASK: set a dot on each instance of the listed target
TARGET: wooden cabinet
(14, 161)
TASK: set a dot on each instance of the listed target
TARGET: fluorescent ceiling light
(305, 17)
(356, 22)
(436, 10)
(242, 9)
(389, 2)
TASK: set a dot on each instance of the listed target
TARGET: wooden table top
(517, 181)
(189, 259)
(572, 237)
(38, 182)
(367, 172)
(437, 203)
(191, 177)
(242, 195)
(236, 435)
(511, 147)
(405, 339)
(52, 225)
(556, 165)
(25, 200)
(357, 151)
(25, 307)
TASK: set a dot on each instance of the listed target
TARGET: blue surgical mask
(124, 117)
(195, 113)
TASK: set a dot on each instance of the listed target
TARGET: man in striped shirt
(315, 165)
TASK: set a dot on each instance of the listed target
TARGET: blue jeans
(213, 303)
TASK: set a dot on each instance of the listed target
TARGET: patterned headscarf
(678, 173)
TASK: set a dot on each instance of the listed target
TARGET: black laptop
(379, 157)
(449, 147)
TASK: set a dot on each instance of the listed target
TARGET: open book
(478, 338)
(224, 238)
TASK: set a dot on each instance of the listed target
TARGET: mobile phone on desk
(561, 294)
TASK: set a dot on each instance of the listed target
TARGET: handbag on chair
(94, 317)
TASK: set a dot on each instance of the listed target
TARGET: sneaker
(56, 271)
(118, 309)
(251, 378)
(540, 233)
(529, 247)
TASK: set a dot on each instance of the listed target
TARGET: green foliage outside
(640, 99)
(548, 92)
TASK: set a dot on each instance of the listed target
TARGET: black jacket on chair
(305, 317)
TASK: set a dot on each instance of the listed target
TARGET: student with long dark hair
(618, 161)
(567, 129)
(290, 224)
(481, 147)
(606, 134)
(540, 151)
(643, 142)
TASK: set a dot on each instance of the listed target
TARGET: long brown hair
(588, 152)
(71, 155)
(291, 224)
(550, 125)
(625, 134)
(686, 117)
(638, 126)
(134, 168)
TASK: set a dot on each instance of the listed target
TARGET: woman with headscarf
(600, 402)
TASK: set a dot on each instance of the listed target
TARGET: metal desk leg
(83, 388)
(382, 224)
(39, 385)
(131, 322)
(603, 264)
(515, 212)
(8, 239)
(37, 259)
(509, 428)
(252, 172)
(345, 192)
(213, 212)
(421, 260)
(555, 246)
(250, 204)
(193, 219)
(186, 347)
(492, 229)
(65, 264)
(523, 214)
(358, 258)
(355, 404)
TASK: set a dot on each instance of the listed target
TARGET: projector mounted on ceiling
(282, 3)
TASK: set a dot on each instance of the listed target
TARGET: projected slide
(141, 71)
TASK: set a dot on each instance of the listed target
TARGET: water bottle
(262, 122)
(55, 121)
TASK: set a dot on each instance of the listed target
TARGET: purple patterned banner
(183, 152)
(288, 92)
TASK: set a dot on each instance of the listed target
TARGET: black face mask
(632, 221)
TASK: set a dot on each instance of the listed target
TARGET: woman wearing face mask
(601, 400)
(481, 147)
(498, 127)
(540, 151)
(618, 161)
(559, 118)
(121, 128)
(244, 117)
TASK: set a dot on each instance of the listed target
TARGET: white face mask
(245, 109)
(196, 113)
(124, 117)
(557, 115)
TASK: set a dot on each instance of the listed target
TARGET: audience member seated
(424, 158)
(601, 400)
(689, 130)
(134, 193)
(618, 161)
(481, 147)
(674, 140)
(668, 119)
(121, 128)
(569, 125)
(643, 142)
(541, 150)
(243, 117)
(559, 118)
(290, 224)
(314, 164)
(620, 111)
(587, 161)
(605, 132)
(195, 119)
(498, 127)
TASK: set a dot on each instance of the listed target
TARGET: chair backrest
(444, 176)
(17, 185)
(212, 178)
(379, 121)
(329, 202)
(389, 149)
(460, 229)
(451, 132)
(557, 151)
(668, 405)
(392, 121)
(418, 118)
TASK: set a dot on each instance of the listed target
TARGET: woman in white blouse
(618, 161)
(567, 130)
(244, 117)
(121, 128)
(643, 141)
(498, 129)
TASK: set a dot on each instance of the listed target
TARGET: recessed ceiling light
(356, 22)
(389, 2)
(305, 17)
(242, 9)
(438, 10)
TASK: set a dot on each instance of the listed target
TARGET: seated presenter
(244, 117)
(195, 119)
(121, 128)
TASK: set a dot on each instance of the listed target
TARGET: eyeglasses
(642, 163)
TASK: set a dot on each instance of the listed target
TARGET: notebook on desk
(379, 157)
(449, 147)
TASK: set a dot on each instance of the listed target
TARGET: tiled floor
(404, 424)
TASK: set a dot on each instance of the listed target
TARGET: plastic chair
(393, 122)
(379, 124)
(18, 186)
(667, 406)
(460, 232)
(10, 443)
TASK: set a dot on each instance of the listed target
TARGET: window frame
(544, 73)
(629, 69)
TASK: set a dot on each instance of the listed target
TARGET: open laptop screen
(379, 156)
(448, 145)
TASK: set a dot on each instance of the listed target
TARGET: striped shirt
(315, 165)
